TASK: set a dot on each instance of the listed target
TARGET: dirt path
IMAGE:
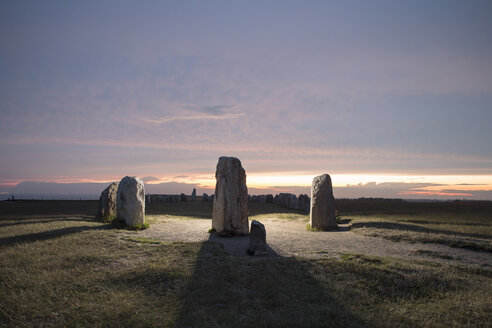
(290, 238)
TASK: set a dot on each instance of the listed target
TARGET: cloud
(195, 117)
(217, 109)
(149, 179)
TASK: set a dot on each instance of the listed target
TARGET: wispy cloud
(226, 116)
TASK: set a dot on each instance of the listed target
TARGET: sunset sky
(391, 98)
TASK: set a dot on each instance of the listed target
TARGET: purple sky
(96, 90)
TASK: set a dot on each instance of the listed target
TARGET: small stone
(204, 197)
(183, 197)
(257, 239)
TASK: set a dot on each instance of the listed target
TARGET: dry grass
(73, 271)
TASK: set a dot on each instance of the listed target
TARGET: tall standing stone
(107, 203)
(193, 195)
(230, 209)
(322, 204)
(130, 202)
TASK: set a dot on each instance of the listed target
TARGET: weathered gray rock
(211, 198)
(193, 195)
(130, 201)
(262, 199)
(230, 209)
(269, 199)
(322, 204)
(107, 203)
(204, 197)
(275, 200)
(183, 197)
(257, 239)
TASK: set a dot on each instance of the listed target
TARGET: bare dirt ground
(290, 238)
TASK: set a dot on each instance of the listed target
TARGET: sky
(391, 98)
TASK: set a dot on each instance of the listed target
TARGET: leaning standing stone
(322, 204)
(230, 209)
(107, 203)
(257, 239)
(131, 201)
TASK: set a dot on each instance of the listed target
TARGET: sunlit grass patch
(429, 229)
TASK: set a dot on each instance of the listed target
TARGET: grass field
(59, 267)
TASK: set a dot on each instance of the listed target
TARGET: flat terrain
(391, 264)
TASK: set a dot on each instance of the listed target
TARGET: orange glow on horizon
(433, 193)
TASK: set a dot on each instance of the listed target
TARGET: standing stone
(322, 204)
(293, 201)
(269, 199)
(257, 239)
(230, 209)
(183, 197)
(204, 197)
(130, 201)
(303, 203)
(284, 199)
(211, 198)
(193, 195)
(107, 203)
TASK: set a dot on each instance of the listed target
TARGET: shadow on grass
(230, 291)
(45, 235)
(45, 220)
(414, 228)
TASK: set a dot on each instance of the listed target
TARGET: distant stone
(322, 204)
(107, 203)
(269, 199)
(262, 199)
(284, 200)
(257, 239)
(193, 195)
(204, 197)
(275, 199)
(293, 201)
(130, 201)
(303, 203)
(230, 209)
(254, 199)
(211, 198)
(183, 197)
